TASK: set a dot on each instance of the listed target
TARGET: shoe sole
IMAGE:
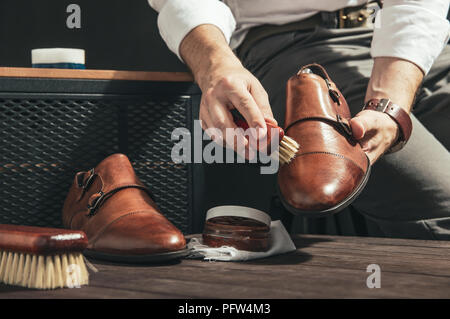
(329, 211)
(138, 259)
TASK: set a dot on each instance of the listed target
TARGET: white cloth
(414, 30)
(280, 243)
(177, 17)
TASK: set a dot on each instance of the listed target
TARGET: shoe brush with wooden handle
(42, 258)
(288, 147)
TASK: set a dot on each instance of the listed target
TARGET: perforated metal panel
(149, 147)
(45, 140)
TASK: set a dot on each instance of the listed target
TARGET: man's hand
(375, 131)
(225, 85)
(391, 78)
(232, 86)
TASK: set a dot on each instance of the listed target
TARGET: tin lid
(239, 211)
(57, 55)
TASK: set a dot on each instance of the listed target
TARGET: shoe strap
(98, 199)
(339, 122)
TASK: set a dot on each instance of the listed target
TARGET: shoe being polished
(119, 217)
(330, 169)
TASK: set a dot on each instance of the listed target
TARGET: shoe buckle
(345, 126)
(333, 93)
(92, 207)
(85, 184)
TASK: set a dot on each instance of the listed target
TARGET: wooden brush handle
(40, 240)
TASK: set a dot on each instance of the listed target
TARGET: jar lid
(57, 55)
(238, 211)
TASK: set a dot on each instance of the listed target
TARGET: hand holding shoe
(375, 131)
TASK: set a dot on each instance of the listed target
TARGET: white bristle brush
(42, 258)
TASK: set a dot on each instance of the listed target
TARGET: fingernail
(271, 120)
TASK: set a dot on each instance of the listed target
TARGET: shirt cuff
(411, 32)
(178, 17)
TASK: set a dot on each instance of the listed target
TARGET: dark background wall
(116, 34)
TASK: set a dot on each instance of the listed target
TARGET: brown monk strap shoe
(116, 211)
(330, 169)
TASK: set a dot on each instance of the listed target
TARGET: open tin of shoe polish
(243, 228)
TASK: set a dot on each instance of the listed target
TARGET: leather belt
(349, 17)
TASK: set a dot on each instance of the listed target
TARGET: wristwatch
(399, 115)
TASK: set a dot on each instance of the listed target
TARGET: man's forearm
(395, 79)
(204, 49)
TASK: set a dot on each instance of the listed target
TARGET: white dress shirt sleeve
(177, 17)
(413, 30)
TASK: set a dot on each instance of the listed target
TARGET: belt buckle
(342, 17)
(353, 17)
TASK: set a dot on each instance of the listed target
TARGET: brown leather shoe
(330, 168)
(120, 219)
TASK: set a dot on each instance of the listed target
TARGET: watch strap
(398, 114)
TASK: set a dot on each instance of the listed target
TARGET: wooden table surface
(322, 267)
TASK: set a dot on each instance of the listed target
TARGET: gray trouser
(408, 193)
